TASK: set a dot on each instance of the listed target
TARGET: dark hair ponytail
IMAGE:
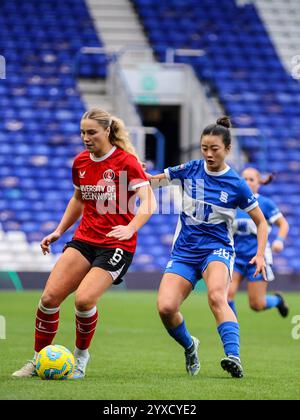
(267, 180)
(221, 128)
(224, 121)
(263, 181)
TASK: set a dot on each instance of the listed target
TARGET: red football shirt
(107, 186)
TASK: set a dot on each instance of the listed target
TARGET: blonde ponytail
(120, 137)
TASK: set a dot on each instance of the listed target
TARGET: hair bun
(224, 121)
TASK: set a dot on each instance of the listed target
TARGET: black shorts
(114, 260)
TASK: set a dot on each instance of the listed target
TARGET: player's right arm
(158, 176)
(158, 181)
(72, 213)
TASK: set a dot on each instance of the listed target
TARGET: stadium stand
(41, 107)
(281, 20)
(40, 112)
(39, 129)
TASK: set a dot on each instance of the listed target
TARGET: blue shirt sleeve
(272, 212)
(247, 200)
(180, 172)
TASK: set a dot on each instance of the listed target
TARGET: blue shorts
(248, 270)
(193, 271)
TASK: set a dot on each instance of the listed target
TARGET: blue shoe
(80, 367)
(233, 366)
(192, 362)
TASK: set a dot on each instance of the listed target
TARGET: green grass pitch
(134, 358)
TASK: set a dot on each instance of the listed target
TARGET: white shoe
(192, 362)
(27, 371)
(80, 368)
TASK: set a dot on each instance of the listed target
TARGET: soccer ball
(55, 362)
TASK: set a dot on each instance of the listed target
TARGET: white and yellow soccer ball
(55, 362)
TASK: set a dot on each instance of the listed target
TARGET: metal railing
(171, 53)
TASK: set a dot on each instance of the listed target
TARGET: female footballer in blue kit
(203, 244)
(245, 243)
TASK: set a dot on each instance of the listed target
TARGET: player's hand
(123, 233)
(260, 266)
(45, 244)
(277, 246)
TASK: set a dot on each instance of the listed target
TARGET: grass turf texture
(134, 358)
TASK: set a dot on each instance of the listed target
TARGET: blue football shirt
(209, 203)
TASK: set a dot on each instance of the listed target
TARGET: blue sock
(230, 336)
(181, 335)
(272, 301)
(231, 303)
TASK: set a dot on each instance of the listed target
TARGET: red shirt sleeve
(75, 176)
(135, 173)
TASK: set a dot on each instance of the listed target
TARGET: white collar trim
(216, 173)
(100, 159)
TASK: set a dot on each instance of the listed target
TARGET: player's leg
(109, 266)
(173, 290)
(237, 278)
(92, 287)
(257, 295)
(65, 277)
(259, 300)
(217, 279)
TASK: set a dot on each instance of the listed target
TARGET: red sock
(46, 326)
(86, 323)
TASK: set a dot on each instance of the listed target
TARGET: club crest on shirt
(178, 167)
(109, 175)
(224, 197)
(82, 174)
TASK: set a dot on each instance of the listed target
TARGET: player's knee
(216, 299)
(166, 308)
(50, 300)
(257, 305)
(83, 303)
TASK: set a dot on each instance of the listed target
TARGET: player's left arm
(262, 237)
(278, 243)
(146, 209)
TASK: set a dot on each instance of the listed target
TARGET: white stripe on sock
(86, 314)
(48, 311)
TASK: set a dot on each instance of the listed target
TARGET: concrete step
(108, 3)
(117, 25)
(98, 101)
(113, 13)
(124, 37)
(116, 43)
(92, 86)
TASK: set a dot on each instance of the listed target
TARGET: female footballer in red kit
(106, 177)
